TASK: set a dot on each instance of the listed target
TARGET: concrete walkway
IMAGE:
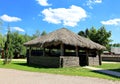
(113, 73)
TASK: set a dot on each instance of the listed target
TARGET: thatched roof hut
(66, 37)
(84, 51)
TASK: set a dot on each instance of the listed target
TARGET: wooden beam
(62, 49)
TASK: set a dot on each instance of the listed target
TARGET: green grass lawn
(74, 71)
(111, 66)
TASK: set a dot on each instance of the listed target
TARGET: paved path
(113, 73)
(10, 76)
(110, 62)
(16, 59)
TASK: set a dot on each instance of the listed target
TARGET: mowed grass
(111, 66)
(73, 71)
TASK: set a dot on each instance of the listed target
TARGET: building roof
(115, 50)
(66, 37)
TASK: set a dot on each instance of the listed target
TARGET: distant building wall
(115, 58)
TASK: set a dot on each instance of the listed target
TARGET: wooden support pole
(43, 51)
(49, 51)
(28, 55)
(30, 51)
(87, 57)
(100, 58)
(77, 51)
(62, 49)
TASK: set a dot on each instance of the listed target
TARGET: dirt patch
(10, 76)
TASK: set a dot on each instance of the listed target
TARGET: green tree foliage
(115, 45)
(17, 44)
(84, 33)
(17, 48)
(100, 36)
(36, 34)
(8, 49)
(43, 33)
(2, 41)
(2, 38)
(18, 40)
(103, 36)
(27, 37)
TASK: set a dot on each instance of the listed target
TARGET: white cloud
(7, 18)
(18, 29)
(98, 1)
(43, 2)
(90, 3)
(69, 17)
(115, 21)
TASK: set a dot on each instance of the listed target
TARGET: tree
(43, 33)
(81, 33)
(84, 33)
(104, 37)
(89, 33)
(8, 48)
(17, 44)
(100, 36)
(18, 48)
(36, 34)
(2, 41)
(27, 37)
(115, 45)
(92, 34)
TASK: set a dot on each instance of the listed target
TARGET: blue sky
(27, 16)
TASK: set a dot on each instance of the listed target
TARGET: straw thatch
(66, 37)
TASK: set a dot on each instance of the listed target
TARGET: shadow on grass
(117, 70)
(35, 66)
(103, 73)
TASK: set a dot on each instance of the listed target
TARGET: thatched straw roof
(66, 37)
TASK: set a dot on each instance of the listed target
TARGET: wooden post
(30, 51)
(100, 58)
(62, 49)
(43, 51)
(28, 55)
(87, 57)
(77, 51)
(49, 51)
